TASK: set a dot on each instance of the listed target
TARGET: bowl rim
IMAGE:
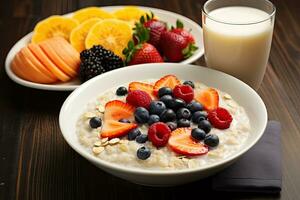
(134, 170)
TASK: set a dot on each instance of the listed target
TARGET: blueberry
(183, 123)
(194, 106)
(198, 134)
(143, 153)
(141, 138)
(133, 134)
(168, 115)
(167, 99)
(153, 119)
(95, 122)
(183, 113)
(211, 140)
(157, 107)
(175, 104)
(190, 83)
(172, 125)
(165, 91)
(124, 121)
(198, 116)
(141, 115)
(204, 125)
(121, 91)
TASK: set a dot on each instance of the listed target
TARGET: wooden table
(35, 161)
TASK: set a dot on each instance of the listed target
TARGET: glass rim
(204, 11)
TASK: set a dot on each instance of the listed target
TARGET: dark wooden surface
(35, 161)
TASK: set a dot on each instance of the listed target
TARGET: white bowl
(164, 15)
(75, 104)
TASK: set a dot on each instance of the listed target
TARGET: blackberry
(97, 60)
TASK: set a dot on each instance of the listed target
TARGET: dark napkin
(259, 170)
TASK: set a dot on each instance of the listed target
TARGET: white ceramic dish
(245, 96)
(164, 15)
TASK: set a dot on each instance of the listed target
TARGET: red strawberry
(156, 29)
(167, 81)
(209, 98)
(116, 110)
(159, 133)
(184, 92)
(139, 98)
(181, 31)
(220, 118)
(112, 128)
(181, 142)
(142, 86)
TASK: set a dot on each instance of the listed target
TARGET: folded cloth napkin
(259, 170)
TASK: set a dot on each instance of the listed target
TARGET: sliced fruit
(85, 14)
(112, 34)
(148, 88)
(78, 35)
(65, 51)
(50, 52)
(116, 110)
(53, 26)
(181, 142)
(112, 128)
(15, 67)
(209, 98)
(167, 81)
(220, 118)
(129, 13)
(43, 58)
(28, 54)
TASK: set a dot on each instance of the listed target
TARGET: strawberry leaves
(189, 50)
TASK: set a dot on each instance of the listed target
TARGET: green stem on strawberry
(189, 50)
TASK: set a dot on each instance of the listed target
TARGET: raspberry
(159, 134)
(184, 92)
(139, 98)
(220, 118)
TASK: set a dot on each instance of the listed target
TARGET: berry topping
(124, 121)
(211, 140)
(159, 134)
(167, 81)
(220, 118)
(141, 138)
(116, 110)
(172, 125)
(121, 91)
(113, 129)
(198, 134)
(190, 83)
(165, 91)
(133, 134)
(175, 104)
(141, 115)
(167, 99)
(181, 142)
(183, 113)
(157, 107)
(199, 116)
(139, 98)
(209, 98)
(141, 86)
(194, 106)
(153, 119)
(204, 125)
(183, 123)
(143, 153)
(95, 122)
(184, 92)
(168, 115)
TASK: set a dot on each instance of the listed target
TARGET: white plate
(245, 96)
(164, 15)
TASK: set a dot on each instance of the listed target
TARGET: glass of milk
(237, 37)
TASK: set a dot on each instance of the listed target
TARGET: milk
(240, 50)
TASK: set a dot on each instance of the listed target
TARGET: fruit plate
(164, 15)
(244, 95)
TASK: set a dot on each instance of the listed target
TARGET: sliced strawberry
(167, 81)
(112, 128)
(116, 110)
(181, 142)
(148, 88)
(209, 98)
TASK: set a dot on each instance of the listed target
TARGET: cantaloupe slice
(50, 52)
(39, 53)
(15, 67)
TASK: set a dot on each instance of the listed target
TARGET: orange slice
(91, 12)
(130, 13)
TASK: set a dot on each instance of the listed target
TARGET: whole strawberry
(156, 28)
(183, 32)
